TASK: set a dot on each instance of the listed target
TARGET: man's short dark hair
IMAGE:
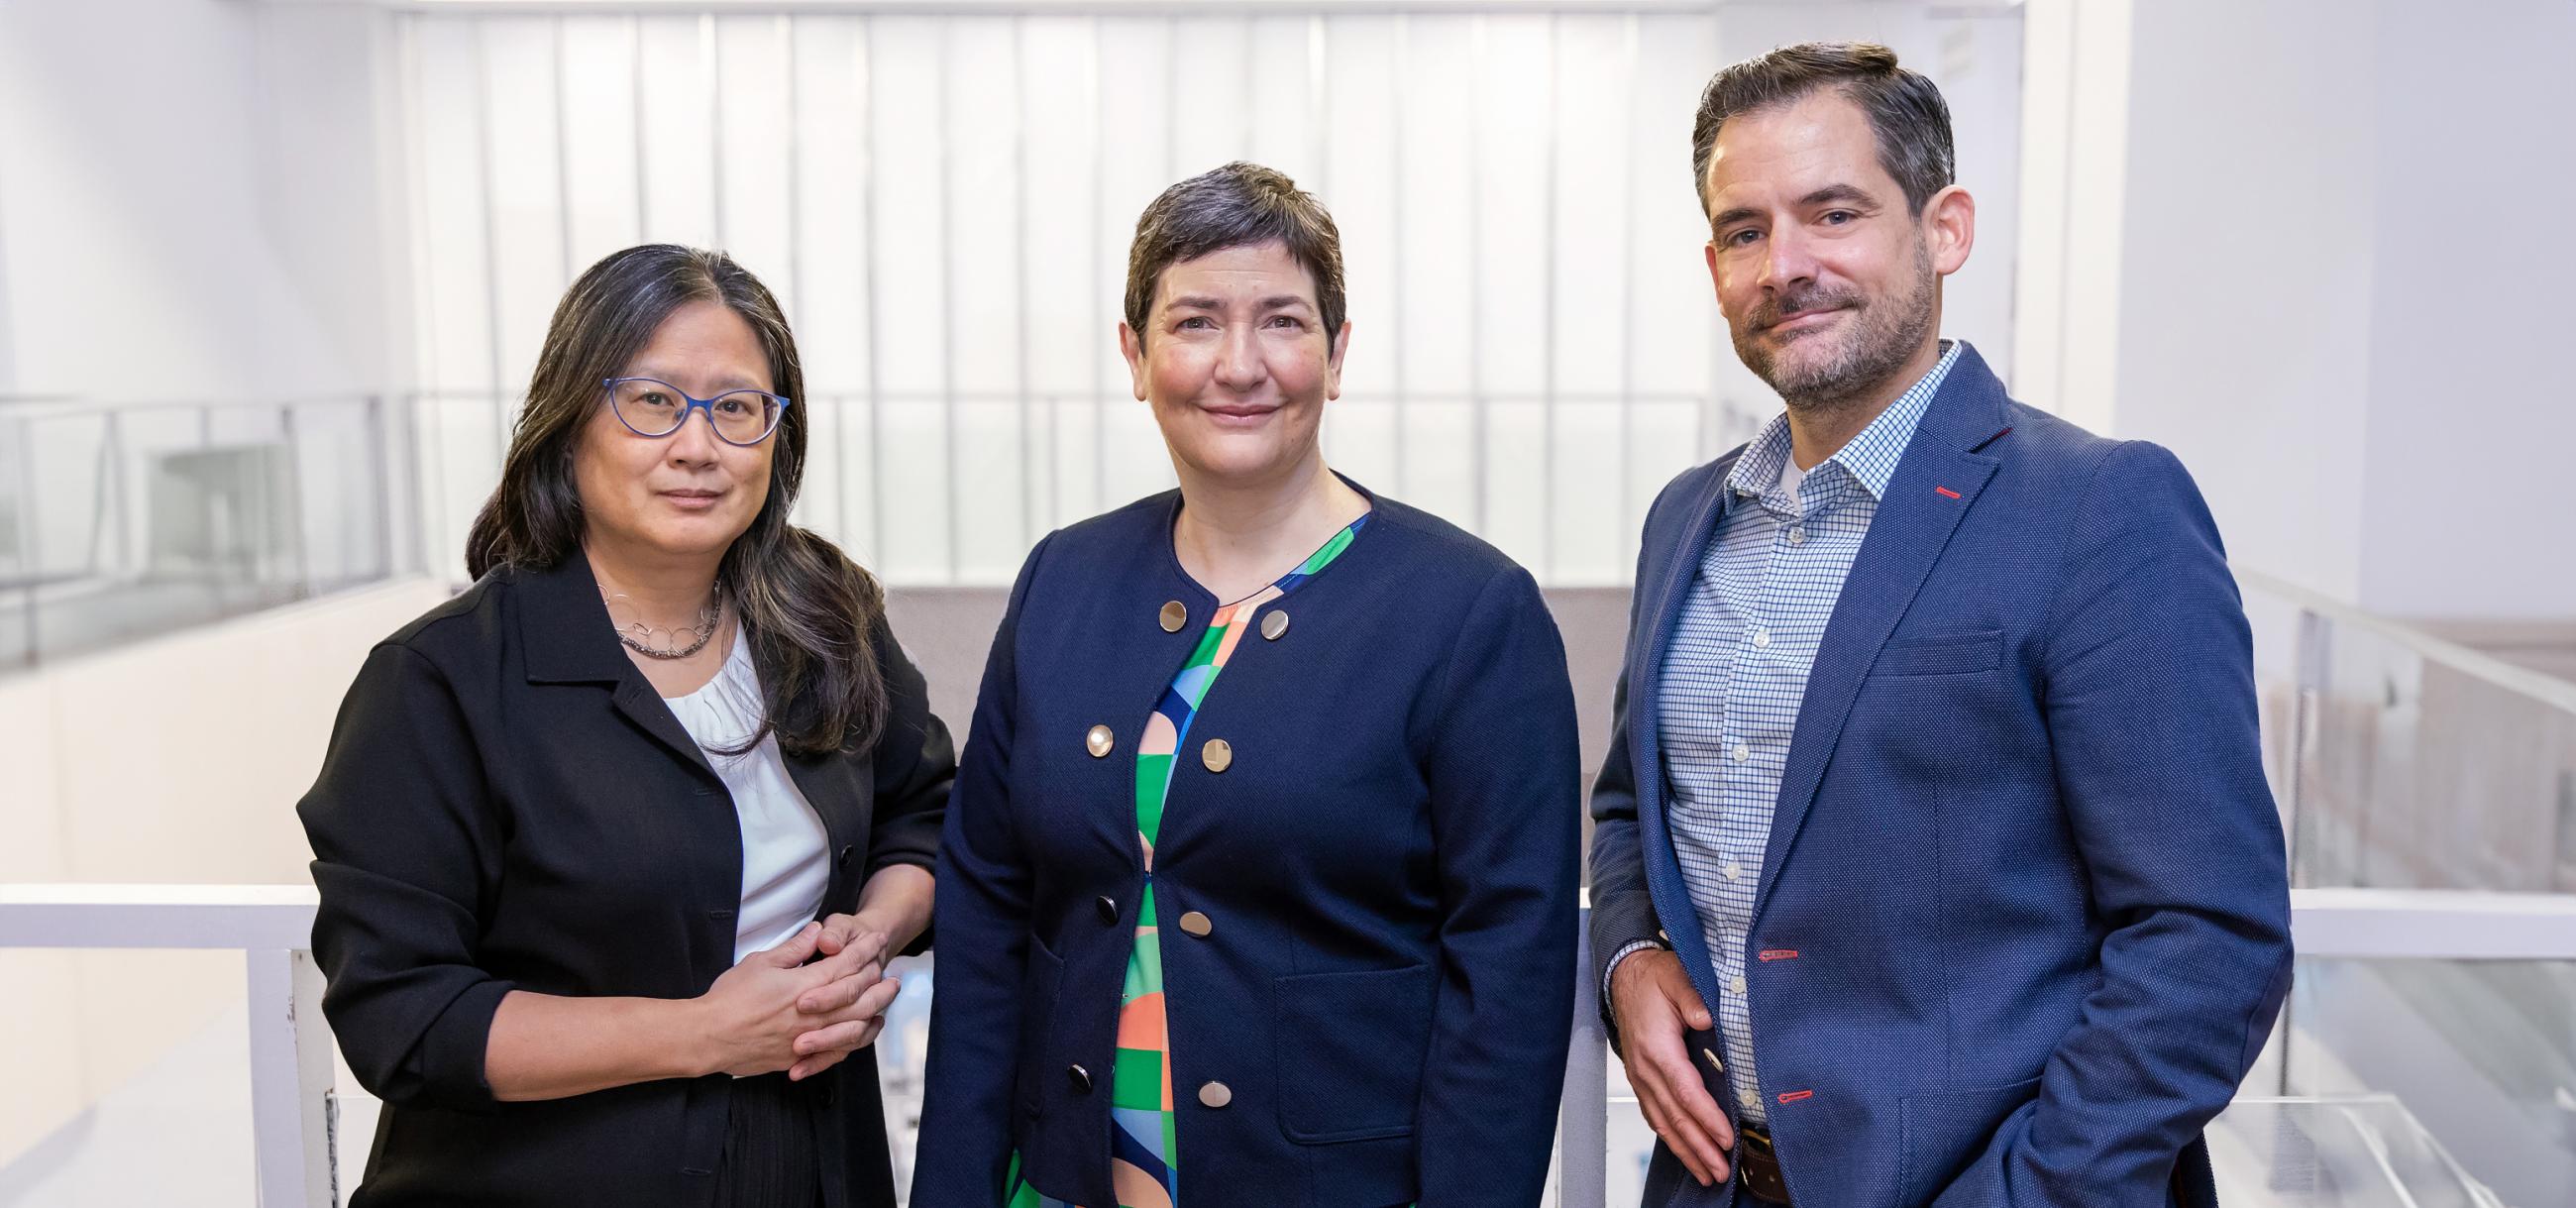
(1905, 109)
(1238, 205)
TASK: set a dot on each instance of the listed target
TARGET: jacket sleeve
(914, 766)
(406, 850)
(1506, 821)
(982, 915)
(2148, 695)
(1623, 913)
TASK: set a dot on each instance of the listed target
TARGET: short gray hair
(1238, 205)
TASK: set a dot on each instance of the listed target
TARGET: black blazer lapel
(569, 640)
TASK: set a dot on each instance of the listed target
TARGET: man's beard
(1884, 333)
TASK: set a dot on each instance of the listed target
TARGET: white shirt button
(1742, 752)
(1748, 1099)
(1762, 639)
(1736, 987)
(1797, 535)
(1733, 871)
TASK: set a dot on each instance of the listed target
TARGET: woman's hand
(756, 1018)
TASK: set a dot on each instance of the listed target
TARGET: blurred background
(273, 274)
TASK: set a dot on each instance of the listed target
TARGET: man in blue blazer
(1934, 862)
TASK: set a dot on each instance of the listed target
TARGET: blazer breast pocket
(1942, 654)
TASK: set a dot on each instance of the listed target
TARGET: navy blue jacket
(2024, 917)
(1389, 866)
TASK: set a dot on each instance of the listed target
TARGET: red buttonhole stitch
(1945, 491)
(1779, 954)
(1794, 1096)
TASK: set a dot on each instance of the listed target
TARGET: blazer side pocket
(1350, 1052)
(1942, 654)
(1941, 1132)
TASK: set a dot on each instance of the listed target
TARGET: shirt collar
(1870, 458)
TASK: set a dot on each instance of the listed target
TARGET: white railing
(294, 1112)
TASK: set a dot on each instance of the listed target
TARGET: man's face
(1829, 285)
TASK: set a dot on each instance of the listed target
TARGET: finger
(1698, 1111)
(1655, 1101)
(833, 968)
(839, 931)
(871, 1002)
(1689, 1137)
(828, 1038)
(1686, 1002)
(808, 1067)
(838, 994)
(797, 949)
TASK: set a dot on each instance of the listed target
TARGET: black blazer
(1380, 973)
(508, 804)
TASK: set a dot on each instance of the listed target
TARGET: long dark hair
(805, 607)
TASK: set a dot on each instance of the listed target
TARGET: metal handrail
(2546, 689)
(294, 1112)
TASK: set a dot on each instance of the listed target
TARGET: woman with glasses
(1259, 884)
(613, 847)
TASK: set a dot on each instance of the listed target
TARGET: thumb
(1687, 1003)
(798, 949)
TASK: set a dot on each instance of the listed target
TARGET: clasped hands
(804, 1005)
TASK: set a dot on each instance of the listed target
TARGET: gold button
(1099, 741)
(1217, 755)
(1216, 1094)
(1713, 1062)
(1197, 924)
(1175, 615)
(1274, 625)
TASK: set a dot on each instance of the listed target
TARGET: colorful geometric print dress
(1144, 1162)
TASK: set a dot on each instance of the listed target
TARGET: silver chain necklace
(639, 636)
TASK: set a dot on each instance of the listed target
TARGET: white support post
(294, 1117)
(1583, 1111)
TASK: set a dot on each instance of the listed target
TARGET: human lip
(693, 499)
(1801, 320)
(1244, 414)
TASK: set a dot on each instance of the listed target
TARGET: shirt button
(1797, 534)
(1742, 752)
(1748, 1099)
(1733, 871)
(1736, 987)
(1762, 639)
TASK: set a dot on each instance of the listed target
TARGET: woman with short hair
(1259, 883)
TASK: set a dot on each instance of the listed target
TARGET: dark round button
(1081, 1079)
(1108, 909)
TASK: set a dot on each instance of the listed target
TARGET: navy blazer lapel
(1936, 482)
(1660, 611)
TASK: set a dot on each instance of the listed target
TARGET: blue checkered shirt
(1736, 673)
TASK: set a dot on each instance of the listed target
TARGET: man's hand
(1653, 1003)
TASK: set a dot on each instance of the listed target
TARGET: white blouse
(785, 862)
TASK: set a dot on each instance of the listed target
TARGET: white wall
(191, 201)
(2472, 431)
(2308, 244)
(178, 760)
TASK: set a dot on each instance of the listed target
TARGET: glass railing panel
(2483, 1053)
(124, 521)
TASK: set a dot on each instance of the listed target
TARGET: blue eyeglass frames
(655, 408)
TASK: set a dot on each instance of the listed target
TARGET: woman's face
(1236, 362)
(685, 496)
